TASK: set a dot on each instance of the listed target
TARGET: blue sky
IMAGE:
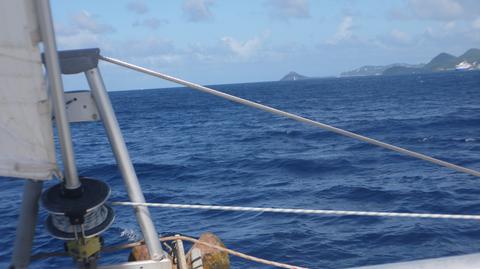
(227, 41)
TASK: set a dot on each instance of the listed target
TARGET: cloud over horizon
(299, 35)
(83, 29)
(84, 20)
(344, 31)
(243, 50)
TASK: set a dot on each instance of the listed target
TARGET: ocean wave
(299, 166)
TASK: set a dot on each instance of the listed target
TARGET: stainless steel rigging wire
(292, 116)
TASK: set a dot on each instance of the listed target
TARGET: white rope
(293, 116)
(304, 211)
(233, 252)
(44, 255)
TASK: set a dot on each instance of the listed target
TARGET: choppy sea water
(189, 147)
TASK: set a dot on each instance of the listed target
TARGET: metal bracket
(82, 250)
(81, 107)
(78, 61)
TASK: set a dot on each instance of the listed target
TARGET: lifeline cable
(304, 211)
(292, 116)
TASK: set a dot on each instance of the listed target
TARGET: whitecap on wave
(130, 234)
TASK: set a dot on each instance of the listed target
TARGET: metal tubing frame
(52, 64)
(122, 157)
(26, 224)
(180, 252)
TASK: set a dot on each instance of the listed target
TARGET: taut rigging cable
(293, 116)
(304, 211)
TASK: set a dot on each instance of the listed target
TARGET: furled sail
(26, 136)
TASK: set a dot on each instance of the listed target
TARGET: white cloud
(198, 10)
(153, 51)
(453, 39)
(243, 50)
(137, 6)
(201, 53)
(344, 31)
(86, 21)
(152, 23)
(451, 23)
(79, 40)
(162, 60)
(444, 31)
(83, 30)
(287, 9)
(231, 50)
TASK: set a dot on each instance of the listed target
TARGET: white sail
(26, 137)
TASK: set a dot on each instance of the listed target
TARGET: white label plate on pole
(81, 107)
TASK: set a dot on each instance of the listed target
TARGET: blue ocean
(189, 147)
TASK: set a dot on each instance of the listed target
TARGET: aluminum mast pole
(125, 165)
(52, 64)
(26, 224)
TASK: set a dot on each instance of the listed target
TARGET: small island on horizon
(470, 60)
(293, 76)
